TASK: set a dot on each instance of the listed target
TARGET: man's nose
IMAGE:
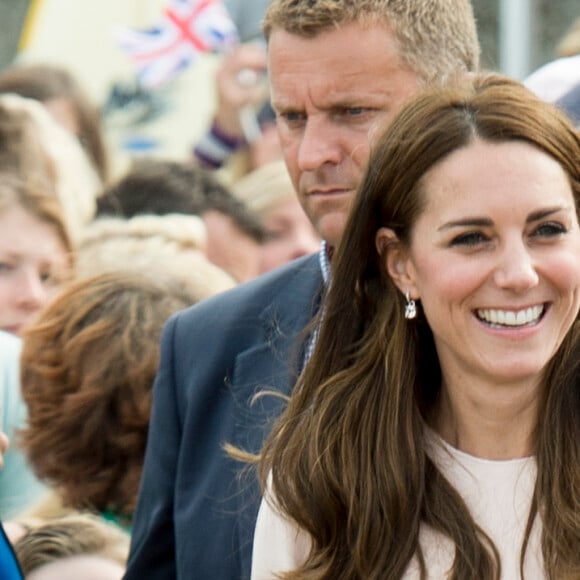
(319, 145)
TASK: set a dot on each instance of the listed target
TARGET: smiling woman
(495, 262)
(434, 432)
(36, 252)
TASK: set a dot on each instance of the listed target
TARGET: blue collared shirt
(324, 261)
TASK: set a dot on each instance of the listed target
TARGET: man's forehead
(346, 41)
(327, 96)
(338, 87)
(341, 58)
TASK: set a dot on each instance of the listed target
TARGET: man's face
(332, 95)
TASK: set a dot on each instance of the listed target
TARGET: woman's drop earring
(410, 307)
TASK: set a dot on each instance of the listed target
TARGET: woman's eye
(468, 239)
(4, 267)
(550, 230)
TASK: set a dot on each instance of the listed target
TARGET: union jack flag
(187, 29)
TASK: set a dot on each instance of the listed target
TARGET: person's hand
(4, 443)
(240, 83)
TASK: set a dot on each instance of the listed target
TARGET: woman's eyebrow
(465, 222)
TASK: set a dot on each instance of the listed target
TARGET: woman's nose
(516, 270)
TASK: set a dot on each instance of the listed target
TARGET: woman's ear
(395, 257)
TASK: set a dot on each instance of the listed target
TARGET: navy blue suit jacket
(197, 507)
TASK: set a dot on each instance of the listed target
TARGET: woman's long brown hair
(347, 458)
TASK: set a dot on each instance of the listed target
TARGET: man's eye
(292, 117)
(273, 235)
(468, 239)
(355, 111)
(351, 112)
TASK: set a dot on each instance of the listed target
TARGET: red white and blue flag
(187, 29)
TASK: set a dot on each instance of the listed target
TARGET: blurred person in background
(35, 146)
(170, 246)
(88, 366)
(161, 187)
(72, 547)
(269, 193)
(61, 92)
(36, 252)
(242, 135)
(19, 487)
(36, 260)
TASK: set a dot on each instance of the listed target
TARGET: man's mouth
(328, 191)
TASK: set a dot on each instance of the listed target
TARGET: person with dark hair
(435, 431)
(163, 187)
(66, 100)
(338, 72)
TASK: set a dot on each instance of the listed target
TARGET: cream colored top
(497, 493)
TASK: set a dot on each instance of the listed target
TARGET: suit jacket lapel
(286, 319)
(275, 362)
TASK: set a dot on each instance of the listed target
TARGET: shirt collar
(324, 256)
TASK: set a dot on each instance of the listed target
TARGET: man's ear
(395, 257)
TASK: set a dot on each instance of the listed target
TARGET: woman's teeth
(524, 317)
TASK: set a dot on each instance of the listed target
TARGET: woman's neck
(489, 421)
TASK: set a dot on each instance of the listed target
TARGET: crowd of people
(340, 341)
